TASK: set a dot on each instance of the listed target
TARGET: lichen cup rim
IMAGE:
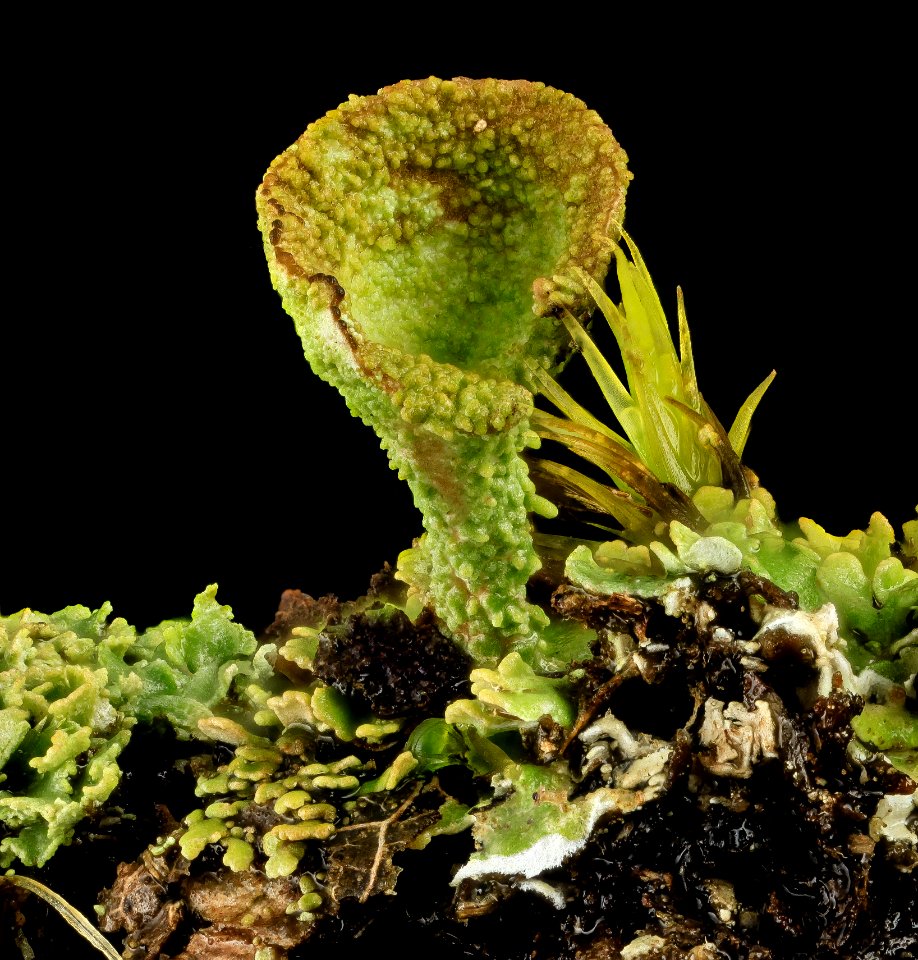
(415, 171)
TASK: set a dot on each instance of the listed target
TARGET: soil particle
(246, 905)
(298, 609)
(139, 904)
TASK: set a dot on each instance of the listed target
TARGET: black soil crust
(392, 666)
(779, 863)
(789, 845)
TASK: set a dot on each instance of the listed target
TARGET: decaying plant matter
(681, 727)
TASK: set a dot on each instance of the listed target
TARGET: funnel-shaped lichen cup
(426, 240)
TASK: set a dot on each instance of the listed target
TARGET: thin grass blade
(73, 916)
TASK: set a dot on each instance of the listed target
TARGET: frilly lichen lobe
(72, 686)
(425, 240)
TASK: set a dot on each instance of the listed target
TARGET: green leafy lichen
(280, 777)
(61, 731)
(425, 240)
(538, 821)
(73, 684)
(509, 695)
(892, 728)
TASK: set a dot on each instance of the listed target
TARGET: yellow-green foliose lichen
(73, 684)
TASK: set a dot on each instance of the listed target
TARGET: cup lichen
(425, 240)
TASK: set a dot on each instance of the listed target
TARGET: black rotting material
(791, 842)
(395, 667)
(782, 864)
(779, 865)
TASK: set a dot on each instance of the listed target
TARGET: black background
(161, 428)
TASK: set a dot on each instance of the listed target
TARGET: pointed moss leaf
(551, 389)
(612, 388)
(653, 374)
(646, 343)
(559, 481)
(686, 357)
(739, 432)
(675, 442)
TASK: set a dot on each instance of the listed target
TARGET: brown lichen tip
(452, 215)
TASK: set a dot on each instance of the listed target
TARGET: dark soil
(791, 842)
